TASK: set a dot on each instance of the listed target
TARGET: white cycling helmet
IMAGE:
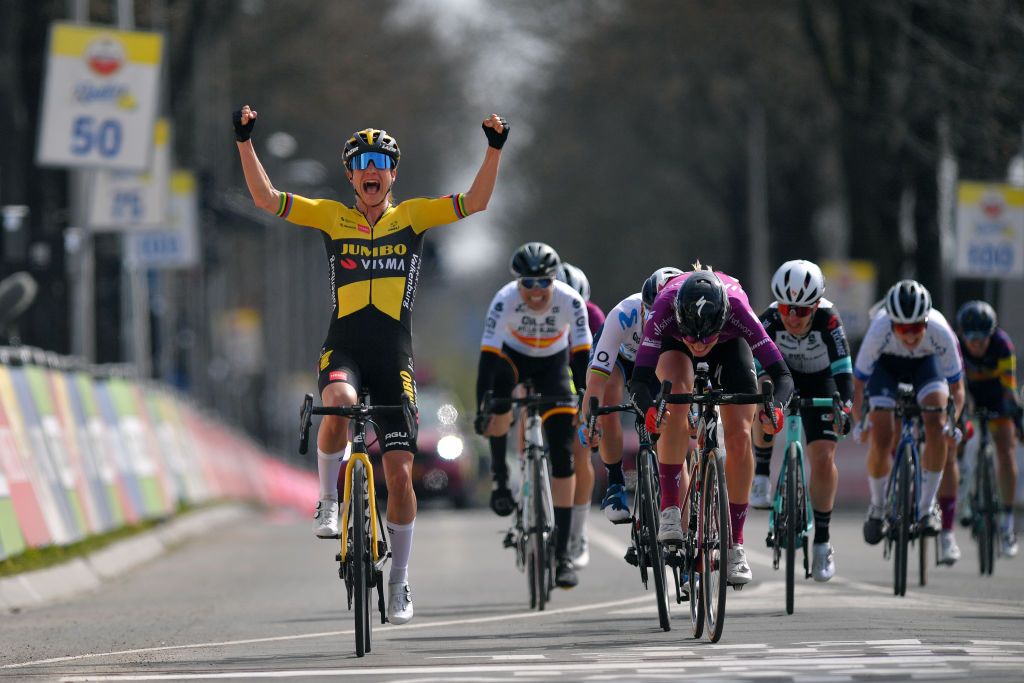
(908, 301)
(575, 278)
(656, 282)
(798, 283)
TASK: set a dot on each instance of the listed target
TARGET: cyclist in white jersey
(908, 341)
(536, 329)
(611, 366)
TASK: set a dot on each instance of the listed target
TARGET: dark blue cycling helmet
(976, 319)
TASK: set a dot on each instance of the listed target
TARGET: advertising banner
(100, 97)
(989, 231)
(131, 490)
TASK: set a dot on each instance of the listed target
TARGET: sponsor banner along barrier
(89, 450)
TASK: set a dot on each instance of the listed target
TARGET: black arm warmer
(578, 364)
(643, 386)
(783, 381)
(844, 384)
(488, 369)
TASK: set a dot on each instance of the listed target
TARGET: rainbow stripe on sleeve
(459, 205)
(286, 205)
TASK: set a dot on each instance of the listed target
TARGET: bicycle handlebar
(359, 412)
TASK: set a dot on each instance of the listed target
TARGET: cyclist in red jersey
(373, 250)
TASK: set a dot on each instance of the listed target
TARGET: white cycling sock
(877, 486)
(328, 466)
(578, 526)
(1008, 522)
(929, 488)
(401, 548)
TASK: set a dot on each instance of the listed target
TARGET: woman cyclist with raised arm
(373, 251)
(808, 332)
(704, 315)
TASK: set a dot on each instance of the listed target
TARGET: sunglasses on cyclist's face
(361, 162)
(909, 328)
(798, 311)
(535, 282)
(975, 336)
(690, 339)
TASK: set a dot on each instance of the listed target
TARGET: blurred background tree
(644, 134)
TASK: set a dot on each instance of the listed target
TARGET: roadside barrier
(87, 449)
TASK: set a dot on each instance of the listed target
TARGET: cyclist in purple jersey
(704, 316)
(578, 546)
(990, 365)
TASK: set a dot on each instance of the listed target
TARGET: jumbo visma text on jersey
(373, 268)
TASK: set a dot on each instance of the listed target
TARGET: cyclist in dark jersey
(579, 548)
(809, 333)
(990, 365)
(373, 251)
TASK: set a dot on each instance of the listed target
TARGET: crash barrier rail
(85, 450)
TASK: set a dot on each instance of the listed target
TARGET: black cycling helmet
(976, 319)
(655, 283)
(534, 259)
(701, 305)
(370, 140)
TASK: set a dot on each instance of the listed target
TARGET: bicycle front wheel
(538, 542)
(789, 502)
(691, 548)
(904, 515)
(715, 546)
(649, 524)
(361, 559)
(985, 517)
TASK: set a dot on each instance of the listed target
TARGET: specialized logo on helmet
(700, 305)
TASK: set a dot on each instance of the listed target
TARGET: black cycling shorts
(730, 364)
(382, 366)
(818, 422)
(550, 376)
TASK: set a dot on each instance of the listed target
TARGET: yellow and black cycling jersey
(373, 267)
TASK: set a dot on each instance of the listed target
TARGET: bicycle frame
(533, 439)
(907, 443)
(359, 454)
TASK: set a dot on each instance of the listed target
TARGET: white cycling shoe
(949, 551)
(325, 519)
(761, 493)
(670, 529)
(739, 568)
(579, 551)
(823, 562)
(399, 603)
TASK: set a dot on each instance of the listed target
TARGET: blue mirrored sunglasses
(361, 162)
(535, 282)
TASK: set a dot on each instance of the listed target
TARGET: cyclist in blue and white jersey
(908, 341)
(809, 333)
(611, 366)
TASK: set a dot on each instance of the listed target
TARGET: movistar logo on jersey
(628, 321)
(384, 250)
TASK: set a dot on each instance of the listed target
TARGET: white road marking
(381, 633)
(929, 664)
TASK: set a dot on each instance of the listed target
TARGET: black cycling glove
(242, 133)
(494, 138)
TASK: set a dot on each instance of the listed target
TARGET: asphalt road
(262, 599)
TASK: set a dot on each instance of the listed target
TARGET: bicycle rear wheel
(361, 560)
(985, 517)
(649, 526)
(715, 546)
(789, 503)
(904, 502)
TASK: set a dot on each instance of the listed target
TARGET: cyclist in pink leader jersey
(704, 316)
